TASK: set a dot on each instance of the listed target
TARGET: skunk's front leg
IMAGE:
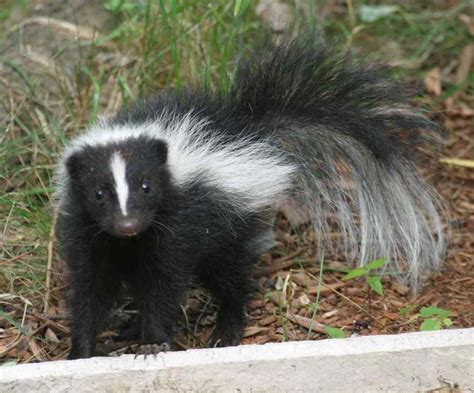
(89, 301)
(228, 279)
(159, 293)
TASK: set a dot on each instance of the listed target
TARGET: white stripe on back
(118, 168)
(253, 175)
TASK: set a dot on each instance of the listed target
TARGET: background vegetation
(65, 63)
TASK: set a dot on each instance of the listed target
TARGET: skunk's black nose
(127, 226)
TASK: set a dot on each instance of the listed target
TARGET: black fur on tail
(355, 138)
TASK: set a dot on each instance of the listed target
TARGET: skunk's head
(120, 186)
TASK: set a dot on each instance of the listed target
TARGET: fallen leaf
(51, 336)
(400, 288)
(330, 314)
(433, 81)
(36, 349)
(254, 330)
(468, 21)
(466, 58)
(268, 320)
(391, 315)
(300, 279)
(304, 300)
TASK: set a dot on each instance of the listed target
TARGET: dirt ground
(287, 284)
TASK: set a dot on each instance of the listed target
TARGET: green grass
(151, 45)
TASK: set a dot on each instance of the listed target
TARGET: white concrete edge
(451, 339)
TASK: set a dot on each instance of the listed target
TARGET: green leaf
(430, 324)
(372, 13)
(404, 311)
(9, 363)
(375, 283)
(334, 332)
(428, 312)
(119, 5)
(9, 319)
(375, 264)
(360, 271)
(237, 5)
(447, 322)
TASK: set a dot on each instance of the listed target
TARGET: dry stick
(39, 329)
(18, 340)
(81, 32)
(15, 258)
(307, 323)
(280, 264)
(55, 325)
(345, 298)
(50, 263)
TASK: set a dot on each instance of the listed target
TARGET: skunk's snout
(127, 226)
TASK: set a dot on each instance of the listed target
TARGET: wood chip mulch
(283, 306)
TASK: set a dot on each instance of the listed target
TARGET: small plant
(434, 318)
(334, 332)
(118, 6)
(373, 281)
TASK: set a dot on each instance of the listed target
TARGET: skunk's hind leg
(229, 280)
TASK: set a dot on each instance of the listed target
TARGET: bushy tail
(355, 139)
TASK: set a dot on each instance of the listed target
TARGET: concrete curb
(406, 362)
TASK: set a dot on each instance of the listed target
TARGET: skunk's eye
(146, 187)
(99, 195)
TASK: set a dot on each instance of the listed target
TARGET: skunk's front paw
(152, 349)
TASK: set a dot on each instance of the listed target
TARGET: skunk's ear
(74, 166)
(161, 150)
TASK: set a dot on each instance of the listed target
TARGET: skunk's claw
(152, 349)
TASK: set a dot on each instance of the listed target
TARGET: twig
(280, 264)
(458, 162)
(81, 32)
(345, 298)
(307, 323)
(15, 258)
(47, 293)
(55, 325)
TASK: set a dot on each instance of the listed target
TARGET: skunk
(186, 184)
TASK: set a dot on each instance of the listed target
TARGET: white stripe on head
(118, 168)
(253, 175)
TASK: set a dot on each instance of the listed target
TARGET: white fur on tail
(380, 211)
(397, 211)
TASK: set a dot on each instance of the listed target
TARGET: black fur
(186, 236)
(194, 230)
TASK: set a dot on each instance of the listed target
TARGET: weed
(334, 332)
(373, 281)
(433, 318)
